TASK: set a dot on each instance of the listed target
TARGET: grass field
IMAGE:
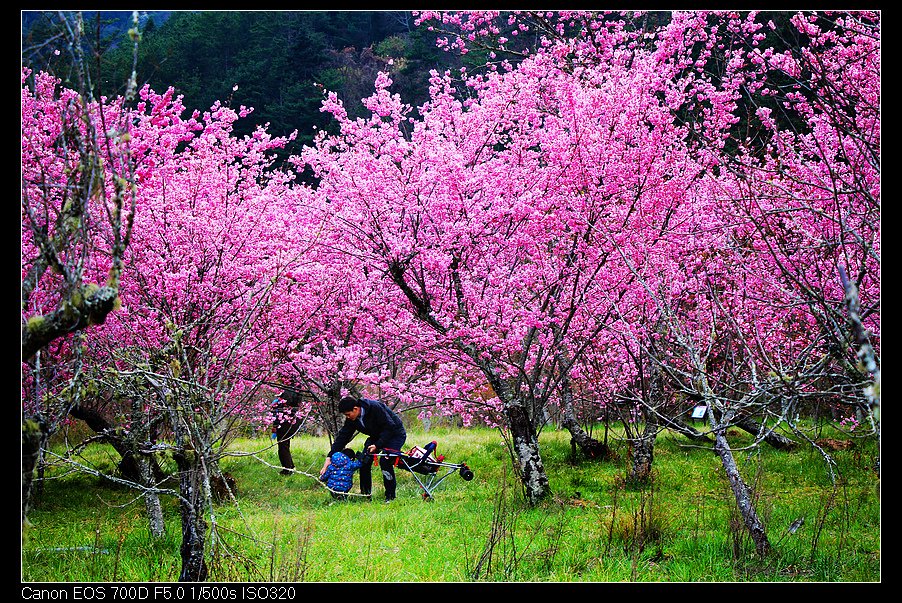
(682, 528)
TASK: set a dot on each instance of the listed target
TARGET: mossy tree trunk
(741, 492)
(192, 506)
(527, 454)
(34, 438)
(194, 488)
(642, 448)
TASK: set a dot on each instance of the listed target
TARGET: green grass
(681, 528)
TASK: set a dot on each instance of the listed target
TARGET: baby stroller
(423, 462)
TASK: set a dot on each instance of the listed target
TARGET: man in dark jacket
(384, 430)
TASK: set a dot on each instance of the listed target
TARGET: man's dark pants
(386, 464)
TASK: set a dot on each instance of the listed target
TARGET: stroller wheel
(466, 473)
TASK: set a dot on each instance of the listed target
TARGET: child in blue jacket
(339, 476)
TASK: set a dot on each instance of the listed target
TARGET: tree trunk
(740, 489)
(642, 448)
(194, 488)
(33, 440)
(525, 440)
(145, 463)
(526, 450)
(642, 451)
(155, 521)
(589, 446)
(191, 509)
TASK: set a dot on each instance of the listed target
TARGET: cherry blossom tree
(78, 198)
(801, 186)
